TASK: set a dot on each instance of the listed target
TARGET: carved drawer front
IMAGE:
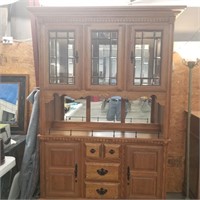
(102, 171)
(102, 190)
(93, 150)
(112, 151)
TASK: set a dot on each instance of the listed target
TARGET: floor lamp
(190, 65)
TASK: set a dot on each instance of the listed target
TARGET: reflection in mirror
(98, 109)
(13, 91)
(74, 110)
(109, 109)
(140, 110)
(9, 103)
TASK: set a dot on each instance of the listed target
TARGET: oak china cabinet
(104, 76)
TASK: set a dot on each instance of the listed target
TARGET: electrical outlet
(7, 40)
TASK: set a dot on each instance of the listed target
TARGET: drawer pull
(112, 151)
(76, 171)
(76, 56)
(92, 150)
(101, 191)
(128, 173)
(102, 171)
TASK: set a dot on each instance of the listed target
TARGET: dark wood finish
(109, 166)
(194, 177)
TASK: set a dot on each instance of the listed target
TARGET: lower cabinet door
(61, 184)
(62, 170)
(144, 176)
(102, 190)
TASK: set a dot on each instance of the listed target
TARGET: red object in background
(34, 3)
(95, 98)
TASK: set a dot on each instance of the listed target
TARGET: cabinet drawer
(102, 171)
(93, 150)
(112, 151)
(102, 190)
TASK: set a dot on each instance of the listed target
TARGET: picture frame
(13, 104)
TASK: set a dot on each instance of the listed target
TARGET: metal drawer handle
(76, 56)
(92, 150)
(128, 173)
(101, 191)
(76, 171)
(112, 151)
(102, 171)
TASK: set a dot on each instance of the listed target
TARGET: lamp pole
(190, 65)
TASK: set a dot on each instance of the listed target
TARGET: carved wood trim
(48, 95)
(103, 140)
(77, 126)
(100, 19)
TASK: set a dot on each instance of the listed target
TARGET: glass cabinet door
(105, 63)
(147, 58)
(63, 58)
(104, 57)
(146, 70)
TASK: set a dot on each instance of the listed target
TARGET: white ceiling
(187, 25)
(118, 2)
(166, 2)
(6, 2)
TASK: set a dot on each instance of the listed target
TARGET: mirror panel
(99, 107)
(139, 111)
(108, 110)
(13, 93)
(74, 109)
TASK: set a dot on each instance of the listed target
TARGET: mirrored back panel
(112, 109)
